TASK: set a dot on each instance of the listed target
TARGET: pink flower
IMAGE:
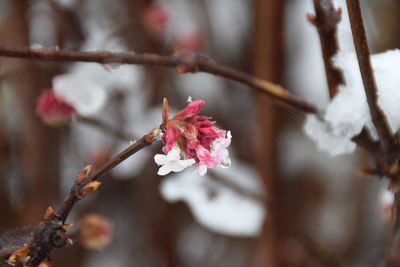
(195, 137)
(156, 19)
(53, 110)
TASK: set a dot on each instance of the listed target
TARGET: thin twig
(72, 198)
(184, 62)
(367, 74)
(325, 20)
(39, 241)
(105, 127)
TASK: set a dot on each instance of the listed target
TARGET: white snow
(86, 96)
(326, 140)
(348, 113)
(215, 206)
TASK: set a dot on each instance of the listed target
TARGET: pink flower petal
(192, 109)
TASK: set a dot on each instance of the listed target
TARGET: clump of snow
(84, 95)
(348, 113)
(325, 138)
(215, 206)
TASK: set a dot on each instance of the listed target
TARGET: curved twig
(184, 62)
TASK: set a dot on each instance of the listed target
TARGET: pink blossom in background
(53, 110)
(195, 137)
(190, 41)
(156, 18)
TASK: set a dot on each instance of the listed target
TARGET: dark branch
(325, 20)
(183, 62)
(367, 74)
(72, 197)
(364, 141)
(41, 240)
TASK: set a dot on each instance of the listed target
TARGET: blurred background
(281, 203)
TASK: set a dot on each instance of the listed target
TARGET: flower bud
(53, 110)
(66, 227)
(165, 114)
(70, 242)
(20, 255)
(83, 174)
(150, 137)
(95, 231)
(44, 264)
(49, 213)
(88, 189)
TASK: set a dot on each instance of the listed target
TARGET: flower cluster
(53, 109)
(193, 137)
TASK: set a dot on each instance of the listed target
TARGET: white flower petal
(176, 166)
(187, 162)
(164, 170)
(160, 159)
(173, 155)
(202, 169)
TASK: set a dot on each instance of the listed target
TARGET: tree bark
(38, 151)
(268, 64)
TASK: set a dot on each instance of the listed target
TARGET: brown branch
(72, 197)
(364, 141)
(104, 127)
(388, 157)
(364, 61)
(325, 20)
(41, 240)
(184, 62)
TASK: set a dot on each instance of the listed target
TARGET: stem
(325, 20)
(184, 62)
(367, 74)
(71, 199)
